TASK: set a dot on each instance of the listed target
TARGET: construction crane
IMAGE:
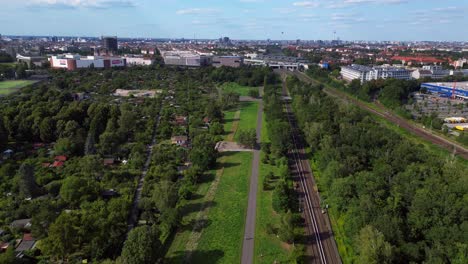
(453, 89)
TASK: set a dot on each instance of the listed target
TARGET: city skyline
(403, 20)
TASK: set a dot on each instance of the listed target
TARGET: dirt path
(235, 126)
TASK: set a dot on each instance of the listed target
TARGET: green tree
(76, 190)
(26, 182)
(64, 146)
(286, 230)
(372, 247)
(254, 93)
(8, 257)
(3, 135)
(142, 246)
(248, 138)
(64, 237)
(47, 130)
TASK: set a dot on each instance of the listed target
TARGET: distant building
(229, 61)
(365, 73)
(355, 71)
(459, 63)
(278, 62)
(138, 61)
(432, 71)
(73, 62)
(180, 140)
(463, 72)
(417, 60)
(446, 89)
(30, 60)
(185, 58)
(110, 43)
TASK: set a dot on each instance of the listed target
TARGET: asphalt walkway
(249, 233)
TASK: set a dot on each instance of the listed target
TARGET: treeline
(246, 75)
(396, 203)
(284, 198)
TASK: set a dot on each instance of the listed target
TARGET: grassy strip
(268, 248)
(189, 212)
(221, 241)
(236, 88)
(248, 116)
(229, 119)
(8, 87)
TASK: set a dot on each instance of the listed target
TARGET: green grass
(221, 241)
(10, 64)
(229, 119)
(268, 248)
(236, 88)
(189, 212)
(248, 116)
(8, 87)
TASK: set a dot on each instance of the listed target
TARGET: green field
(229, 120)
(190, 214)
(268, 248)
(8, 87)
(248, 116)
(236, 88)
(220, 240)
(10, 64)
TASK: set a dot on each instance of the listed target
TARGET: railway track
(453, 147)
(321, 246)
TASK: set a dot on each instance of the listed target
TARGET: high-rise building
(110, 43)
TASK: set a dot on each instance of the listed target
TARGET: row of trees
(397, 202)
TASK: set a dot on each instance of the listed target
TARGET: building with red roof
(417, 59)
(61, 158)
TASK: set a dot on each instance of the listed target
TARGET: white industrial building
(138, 61)
(75, 61)
(365, 73)
(184, 58)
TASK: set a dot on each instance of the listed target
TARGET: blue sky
(240, 19)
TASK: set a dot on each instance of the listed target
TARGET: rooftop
(459, 85)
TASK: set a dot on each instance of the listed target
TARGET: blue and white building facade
(446, 89)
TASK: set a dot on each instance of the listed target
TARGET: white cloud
(82, 3)
(196, 11)
(306, 4)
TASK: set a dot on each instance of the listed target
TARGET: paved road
(134, 212)
(401, 122)
(249, 233)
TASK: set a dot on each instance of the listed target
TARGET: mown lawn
(190, 212)
(268, 248)
(221, 240)
(248, 116)
(229, 116)
(8, 87)
(236, 88)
